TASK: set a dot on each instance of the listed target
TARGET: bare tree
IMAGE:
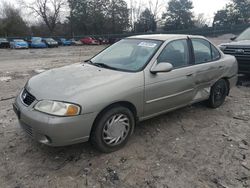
(156, 7)
(201, 21)
(135, 11)
(138, 6)
(48, 10)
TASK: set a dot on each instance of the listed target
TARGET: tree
(236, 12)
(11, 22)
(98, 16)
(118, 16)
(135, 12)
(243, 8)
(48, 10)
(78, 16)
(179, 15)
(146, 22)
(200, 21)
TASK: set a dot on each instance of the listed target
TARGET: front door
(170, 90)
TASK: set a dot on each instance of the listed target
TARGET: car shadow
(243, 80)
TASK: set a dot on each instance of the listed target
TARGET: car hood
(72, 82)
(243, 43)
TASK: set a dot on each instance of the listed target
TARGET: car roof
(163, 37)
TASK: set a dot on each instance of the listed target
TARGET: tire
(218, 94)
(109, 126)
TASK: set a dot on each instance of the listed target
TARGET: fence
(208, 31)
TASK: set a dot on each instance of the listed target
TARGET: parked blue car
(18, 44)
(36, 42)
(64, 42)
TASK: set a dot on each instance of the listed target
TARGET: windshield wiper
(103, 65)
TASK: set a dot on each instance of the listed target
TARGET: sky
(207, 7)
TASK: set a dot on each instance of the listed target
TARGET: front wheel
(112, 129)
(218, 94)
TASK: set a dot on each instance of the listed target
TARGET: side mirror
(161, 67)
(233, 38)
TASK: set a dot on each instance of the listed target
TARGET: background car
(76, 42)
(19, 44)
(114, 40)
(36, 42)
(90, 41)
(4, 43)
(64, 42)
(103, 40)
(50, 42)
(240, 48)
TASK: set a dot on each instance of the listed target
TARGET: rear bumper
(59, 131)
(233, 81)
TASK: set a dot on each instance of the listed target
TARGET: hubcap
(116, 129)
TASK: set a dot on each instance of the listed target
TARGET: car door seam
(168, 96)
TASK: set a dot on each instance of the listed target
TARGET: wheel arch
(126, 104)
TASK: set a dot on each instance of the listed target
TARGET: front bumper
(51, 130)
(38, 46)
(21, 47)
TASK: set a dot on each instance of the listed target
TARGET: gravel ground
(191, 147)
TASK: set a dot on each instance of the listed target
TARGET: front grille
(27, 128)
(27, 98)
(242, 53)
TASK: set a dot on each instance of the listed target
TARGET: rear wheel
(218, 93)
(112, 129)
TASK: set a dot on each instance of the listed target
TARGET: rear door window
(204, 51)
(215, 53)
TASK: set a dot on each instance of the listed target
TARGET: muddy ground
(191, 147)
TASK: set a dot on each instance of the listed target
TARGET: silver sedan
(135, 79)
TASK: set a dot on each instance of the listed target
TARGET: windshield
(128, 54)
(36, 40)
(3, 40)
(50, 40)
(245, 35)
(18, 40)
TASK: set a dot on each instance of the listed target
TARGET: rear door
(207, 66)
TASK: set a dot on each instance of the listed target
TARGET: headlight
(222, 47)
(57, 108)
